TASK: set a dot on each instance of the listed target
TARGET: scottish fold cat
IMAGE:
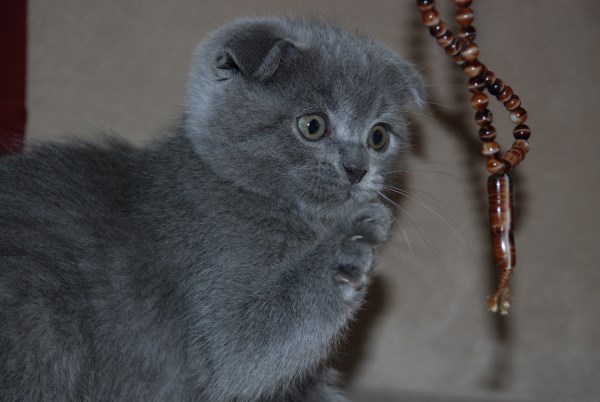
(223, 262)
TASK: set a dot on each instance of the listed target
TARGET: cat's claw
(356, 284)
(373, 224)
(351, 280)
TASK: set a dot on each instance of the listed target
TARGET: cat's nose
(355, 173)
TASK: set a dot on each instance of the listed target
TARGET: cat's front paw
(371, 224)
(368, 228)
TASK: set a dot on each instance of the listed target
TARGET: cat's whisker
(453, 165)
(444, 84)
(436, 201)
(458, 179)
(393, 171)
(443, 106)
(428, 208)
(420, 69)
(404, 172)
(404, 235)
(425, 236)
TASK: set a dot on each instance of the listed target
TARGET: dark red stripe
(13, 65)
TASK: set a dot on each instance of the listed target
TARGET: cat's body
(222, 263)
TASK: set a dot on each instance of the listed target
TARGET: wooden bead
(489, 78)
(494, 166)
(521, 132)
(439, 29)
(490, 148)
(445, 39)
(475, 85)
(459, 60)
(521, 145)
(500, 207)
(519, 151)
(483, 117)
(467, 34)
(479, 101)
(512, 157)
(473, 69)
(497, 87)
(464, 16)
(518, 116)
(431, 18)
(487, 133)
(463, 3)
(470, 52)
(425, 5)
(454, 48)
(505, 95)
(513, 103)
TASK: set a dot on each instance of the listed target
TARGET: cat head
(300, 111)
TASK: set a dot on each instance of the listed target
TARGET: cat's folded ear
(255, 52)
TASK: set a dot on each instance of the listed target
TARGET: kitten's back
(60, 208)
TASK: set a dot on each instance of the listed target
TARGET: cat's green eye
(312, 126)
(378, 137)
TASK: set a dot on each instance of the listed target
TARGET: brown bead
(487, 133)
(512, 157)
(479, 101)
(454, 48)
(445, 39)
(484, 70)
(439, 29)
(463, 3)
(505, 95)
(521, 145)
(520, 151)
(473, 69)
(494, 166)
(459, 60)
(470, 52)
(464, 16)
(467, 34)
(483, 117)
(475, 85)
(490, 148)
(489, 78)
(521, 132)
(500, 207)
(518, 116)
(513, 103)
(425, 5)
(497, 87)
(431, 18)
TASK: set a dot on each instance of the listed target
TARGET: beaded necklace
(500, 187)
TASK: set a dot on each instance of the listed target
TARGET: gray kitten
(220, 264)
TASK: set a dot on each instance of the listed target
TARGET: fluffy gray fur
(222, 263)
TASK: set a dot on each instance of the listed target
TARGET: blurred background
(424, 335)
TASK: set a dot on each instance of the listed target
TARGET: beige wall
(122, 65)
